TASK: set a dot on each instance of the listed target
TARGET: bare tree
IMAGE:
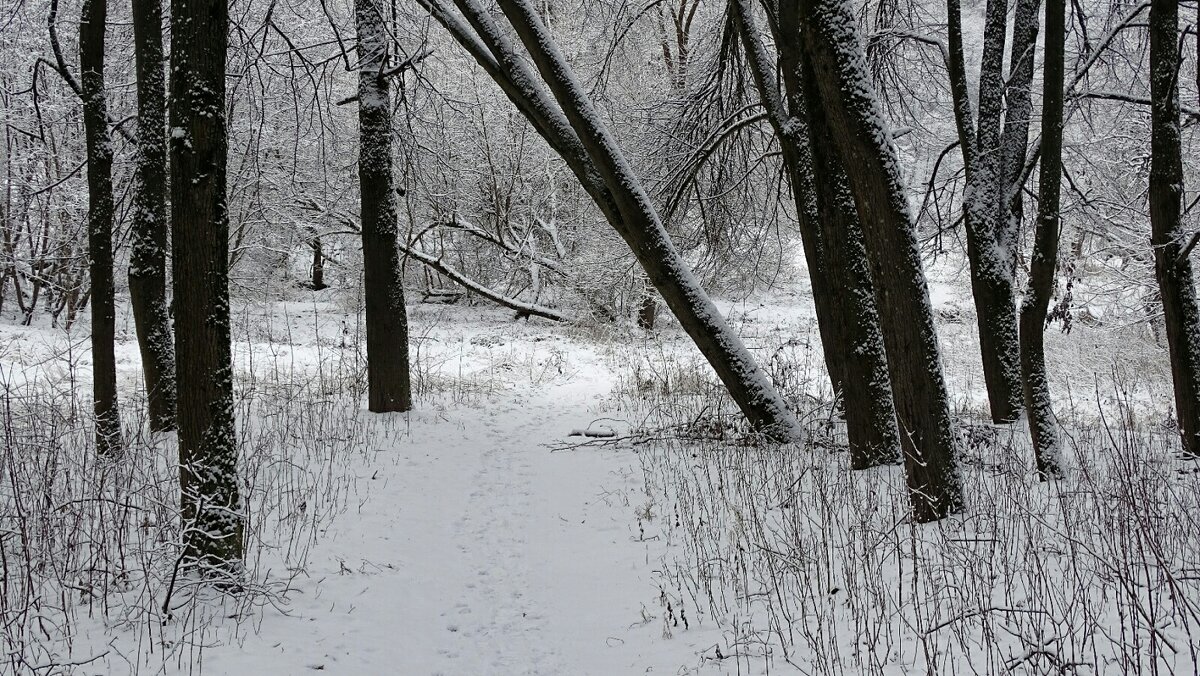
(388, 380)
(572, 126)
(1043, 262)
(100, 222)
(1172, 264)
(833, 242)
(208, 452)
(864, 144)
(148, 235)
(994, 158)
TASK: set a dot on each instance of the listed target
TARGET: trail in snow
(478, 551)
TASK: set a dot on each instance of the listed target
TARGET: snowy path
(478, 551)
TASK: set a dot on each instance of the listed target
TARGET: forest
(599, 337)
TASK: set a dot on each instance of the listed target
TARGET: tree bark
(873, 432)
(208, 451)
(843, 292)
(865, 148)
(1172, 265)
(318, 265)
(148, 235)
(647, 311)
(1043, 427)
(100, 219)
(388, 380)
(990, 246)
(575, 131)
(964, 114)
(1018, 114)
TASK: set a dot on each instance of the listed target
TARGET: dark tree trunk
(870, 407)
(100, 218)
(960, 93)
(1172, 265)
(647, 311)
(833, 245)
(791, 130)
(575, 131)
(865, 148)
(990, 246)
(318, 265)
(208, 450)
(1014, 141)
(148, 235)
(388, 384)
(1043, 427)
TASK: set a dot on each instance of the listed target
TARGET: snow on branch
(523, 309)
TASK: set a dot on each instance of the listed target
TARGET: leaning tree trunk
(990, 246)
(388, 380)
(100, 220)
(1043, 427)
(208, 450)
(865, 148)
(841, 279)
(148, 234)
(1172, 265)
(576, 132)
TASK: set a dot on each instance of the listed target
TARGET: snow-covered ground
(474, 535)
(464, 543)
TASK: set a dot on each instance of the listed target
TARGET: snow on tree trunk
(576, 132)
(1042, 424)
(841, 279)
(148, 234)
(990, 244)
(864, 144)
(1172, 264)
(208, 452)
(100, 222)
(388, 379)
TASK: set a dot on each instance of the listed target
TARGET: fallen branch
(523, 309)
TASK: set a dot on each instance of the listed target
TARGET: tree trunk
(964, 115)
(1172, 266)
(388, 380)
(870, 407)
(647, 311)
(1014, 141)
(208, 451)
(1043, 427)
(841, 280)
(148, 235)
(791, 130)
(100, 218)
(865, 148)
(990, 247)
(577, 134)
(318, 265)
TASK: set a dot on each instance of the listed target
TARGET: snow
(475, 535)
(466, 545)
(477, 552)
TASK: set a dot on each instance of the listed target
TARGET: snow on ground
(467, 540)
(467, 547)
(477, 552)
